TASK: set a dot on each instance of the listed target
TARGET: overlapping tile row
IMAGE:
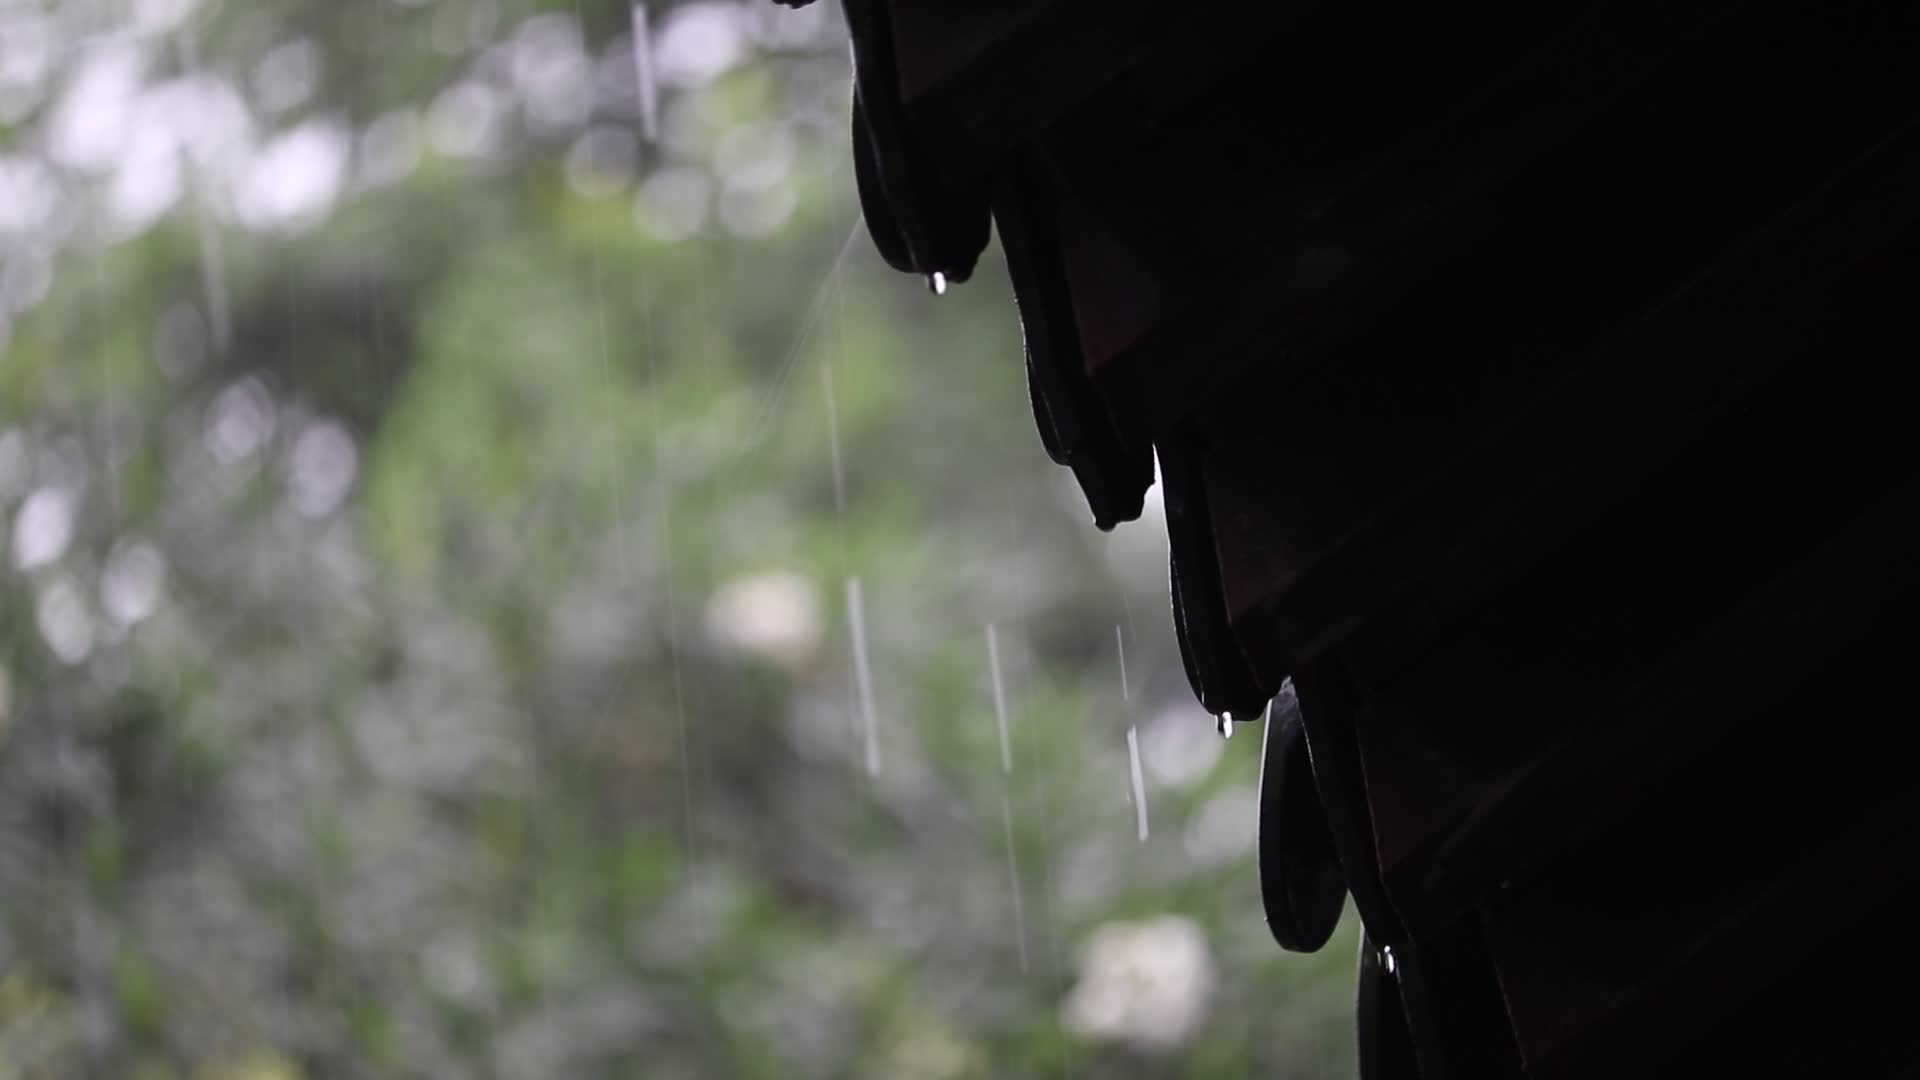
(1529, 388)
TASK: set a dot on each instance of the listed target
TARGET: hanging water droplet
(937, 281)
(1225, 725)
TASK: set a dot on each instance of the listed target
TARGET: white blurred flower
(774, 616)
(239, 421)
(776, 27)
(130, 585)
(210, 117)
(296, 178)
(755, 156)
(1226, 827)
(390, 147)
(672, 205)
(467, 120)
(29, 192)
(602, 162)
(43, 528)
(157, 16)
(552, 72)
(321, 468)
(64, 622)
(287, 76)
(699, 42)
(26, 52)
(1179, 746)
(90, 126)
(755, 212)
(148, 179)
(1143, 983)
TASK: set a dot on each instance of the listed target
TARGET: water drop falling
(1387, 961)
(937, 281)
(1225, 725)
(645, 79)
(833, 434)
(863, 674)
(1140, 826)
(1013, 874)
(999, 700)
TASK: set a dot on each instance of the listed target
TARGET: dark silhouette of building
(1530, 390)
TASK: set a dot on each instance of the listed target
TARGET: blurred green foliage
(425, 627)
